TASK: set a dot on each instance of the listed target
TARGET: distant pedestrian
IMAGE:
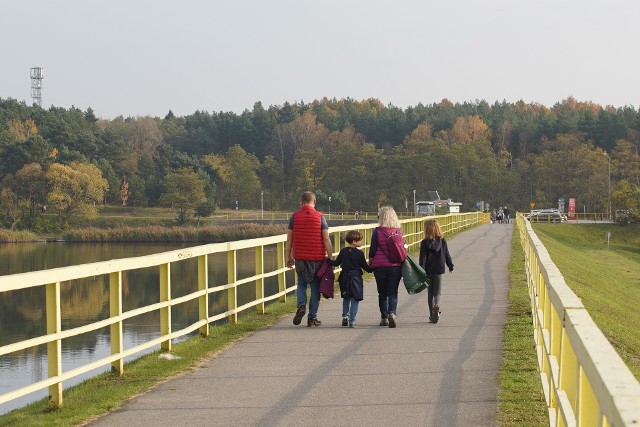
(308, 244)
(351, 285)
(505, 212)
(386, 272)
(434, 255)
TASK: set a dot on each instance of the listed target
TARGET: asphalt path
(418, 374)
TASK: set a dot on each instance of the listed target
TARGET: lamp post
(414, 202)
(262, 204)
(329, 205)
(609, 191)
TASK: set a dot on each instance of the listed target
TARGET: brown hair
(308, 197)
(432, 229)
(353, 236)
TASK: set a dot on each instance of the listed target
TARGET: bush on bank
(209, 234)
(8, 236)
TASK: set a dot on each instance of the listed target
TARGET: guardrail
(52, 279)
(585, 381)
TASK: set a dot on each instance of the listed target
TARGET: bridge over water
(416, 374)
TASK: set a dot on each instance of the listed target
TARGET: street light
(262, 204)
(609, 161)
(329, 205)
(414, 202)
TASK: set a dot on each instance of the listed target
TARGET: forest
(361, 154)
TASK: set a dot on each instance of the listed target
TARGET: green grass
(520, 398)
(107, 391)
(607, 280)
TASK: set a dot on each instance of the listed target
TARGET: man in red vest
(308, 244)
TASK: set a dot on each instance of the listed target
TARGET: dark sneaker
(384, 322)
(313, 322)
(435, 315)
(345, 321)
(299, 314)
(392, 320)
(353, 325)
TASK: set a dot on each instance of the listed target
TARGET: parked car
(547, 215)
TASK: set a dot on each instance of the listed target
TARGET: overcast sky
(136, 58)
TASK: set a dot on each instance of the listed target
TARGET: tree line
(361, 154)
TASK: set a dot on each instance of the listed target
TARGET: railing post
(232, 293)
(54, 348)
(259, 250)
(203, 301)
(282, 278)
(115, 310)
(165, 312)
(336, 242)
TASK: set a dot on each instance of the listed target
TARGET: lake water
(23, 316)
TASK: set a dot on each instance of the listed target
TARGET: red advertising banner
(572, 209)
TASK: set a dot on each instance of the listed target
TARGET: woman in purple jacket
(386, 272)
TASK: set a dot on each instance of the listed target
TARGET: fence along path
(416, 374)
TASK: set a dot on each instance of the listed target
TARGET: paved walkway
(418, 374)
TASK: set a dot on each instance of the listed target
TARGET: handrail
(52, 279)
(585, 381)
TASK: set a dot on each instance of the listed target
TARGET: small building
(425, 208)
(454, 207)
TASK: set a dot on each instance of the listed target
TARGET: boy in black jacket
(351, 285)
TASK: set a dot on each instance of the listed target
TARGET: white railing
(52, 279)
(585, 381)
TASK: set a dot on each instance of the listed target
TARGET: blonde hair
(387, 217)
(432, 229)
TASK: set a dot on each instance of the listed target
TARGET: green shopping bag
(414, 277)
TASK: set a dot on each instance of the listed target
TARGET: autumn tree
(625, 202)
(238, 172)
(75, 189)
(124, 191)
(182, 191)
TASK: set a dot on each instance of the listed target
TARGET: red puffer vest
(307, 235)
(380, 258)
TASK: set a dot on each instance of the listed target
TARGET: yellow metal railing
(52, 279)
(585, 381)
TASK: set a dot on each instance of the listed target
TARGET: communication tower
(37, 74)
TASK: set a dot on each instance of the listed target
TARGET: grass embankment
(126, 224)
(107, 391)
(520, 398)
(607, 280)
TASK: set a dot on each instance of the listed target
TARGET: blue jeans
(350, 309)
(387, 281)
(314, 300)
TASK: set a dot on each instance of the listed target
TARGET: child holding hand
(351, 285)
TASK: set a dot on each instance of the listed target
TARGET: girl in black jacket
(434, 254)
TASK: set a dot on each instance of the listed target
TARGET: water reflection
(23, 315)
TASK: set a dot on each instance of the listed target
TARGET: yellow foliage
(20, 131)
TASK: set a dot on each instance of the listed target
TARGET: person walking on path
(386, 272)
(505, 212)
(307, 246)
(351, 285)
(434, 254)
